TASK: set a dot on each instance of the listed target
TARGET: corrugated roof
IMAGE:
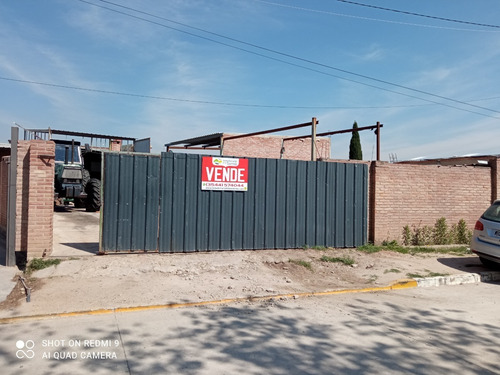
(209, 140)
(78, 134)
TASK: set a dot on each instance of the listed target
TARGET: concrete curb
(400, 284)
(467, 278)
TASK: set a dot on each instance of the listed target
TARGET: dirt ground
(111, 281)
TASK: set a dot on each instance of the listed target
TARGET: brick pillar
(4, 178)
(372, 201)
(115, 145)
(35, 198)
(495, 177)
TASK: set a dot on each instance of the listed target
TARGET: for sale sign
(224, 174)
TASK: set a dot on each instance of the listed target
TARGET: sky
(428, 70)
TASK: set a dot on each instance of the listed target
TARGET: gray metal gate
(159, 205)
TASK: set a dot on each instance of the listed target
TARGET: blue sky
(176, 69)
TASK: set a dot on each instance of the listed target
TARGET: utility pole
(378, 141)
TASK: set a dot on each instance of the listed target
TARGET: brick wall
(35, 198)
(115, 144)
(418, 195)
(270, 147)
(4, 178)
(495, 178)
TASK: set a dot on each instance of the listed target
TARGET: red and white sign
(224, 174)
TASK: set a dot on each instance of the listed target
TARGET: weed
(415, 276)
(461, 232)
(302, 263)
(429, 274)
(413, 250)
(372, 278)
(407, 237)
(441, 235)
(319, 248)
(392, 270)
(422, 236)
(39, 264)
(369, 248)
(348, 261)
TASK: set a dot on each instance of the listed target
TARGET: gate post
(10, 240)
(313, 139)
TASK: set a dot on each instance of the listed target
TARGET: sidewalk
(135, 281)
(84, 281)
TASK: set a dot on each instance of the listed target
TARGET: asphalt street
(436, 330)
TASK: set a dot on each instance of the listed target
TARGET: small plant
(414, 276)
(429, 274)
(440, 232)
(372, 278)
(39, 264)
(370, 248)
(348, 261)
(422, 236)
(302, 263)
(319, 248)
(407, 236)
(392, 270)
(462, 233)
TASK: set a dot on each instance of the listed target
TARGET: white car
(485, 240)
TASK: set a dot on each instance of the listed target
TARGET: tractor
(78, 168)
(77, 176)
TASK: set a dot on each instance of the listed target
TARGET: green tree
(355, 152)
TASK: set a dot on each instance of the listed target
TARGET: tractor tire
(85, 178)
(93, 190)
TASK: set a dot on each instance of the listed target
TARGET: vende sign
(224, 174)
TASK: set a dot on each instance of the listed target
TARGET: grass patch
(319, 248)
(372, 278)
(302, 263)
(307, 247)
(392, 270)
(370, 248)
(39, 264)
(429, 274)
(348, 261)
(413, 250)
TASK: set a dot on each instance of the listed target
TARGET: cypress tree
(355, 152)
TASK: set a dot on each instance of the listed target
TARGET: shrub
(440, 232)
(462, 234)
(407, 236)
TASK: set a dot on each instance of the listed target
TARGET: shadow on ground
(470, 264)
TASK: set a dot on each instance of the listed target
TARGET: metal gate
(153, 203)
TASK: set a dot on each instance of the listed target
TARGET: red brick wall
(4, 178)
(115, 144)
(269, 147)
(420, 194)
(495, 178)
(35, 198)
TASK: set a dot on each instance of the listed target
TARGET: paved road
(444, 330)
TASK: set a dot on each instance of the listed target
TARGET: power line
(231, 104)
(195, 101)
(285, 55)
(372, 18)
(421, 15)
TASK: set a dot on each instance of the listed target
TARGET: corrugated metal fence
(157, 204)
